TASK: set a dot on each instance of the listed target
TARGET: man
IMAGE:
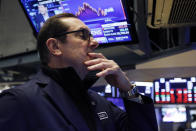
(43, 15)
(58, 98)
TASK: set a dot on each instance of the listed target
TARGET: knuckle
(112, 62)
(117, 68)
(100, 54)
(103, 64)
(100, 60)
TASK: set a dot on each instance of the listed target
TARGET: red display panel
(175, 91)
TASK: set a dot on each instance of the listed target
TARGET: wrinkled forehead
(74, 24)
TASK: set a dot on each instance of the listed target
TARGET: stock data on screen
(175, 90)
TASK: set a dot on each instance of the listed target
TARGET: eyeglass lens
(86, 34)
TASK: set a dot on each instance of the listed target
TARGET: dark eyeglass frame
(86, 34)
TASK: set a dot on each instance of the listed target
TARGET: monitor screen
(107, 91)
(107, 19)
(117, 101)
(175, 90)
(173, 114)
(193, 118)
(111, 94)
(145, 88)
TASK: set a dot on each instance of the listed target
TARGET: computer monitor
(110, 21)
(107, 91)
(117, 101)
(175, 90)
(193, 118)
(111, 94)
(173, 114)
(145, 88)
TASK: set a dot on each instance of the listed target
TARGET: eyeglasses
(86, 34)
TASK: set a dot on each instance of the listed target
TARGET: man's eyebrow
(81, 28)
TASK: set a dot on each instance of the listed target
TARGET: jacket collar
(69, 76)
(62, 100)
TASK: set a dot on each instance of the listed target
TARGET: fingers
(108, 69)
(105, 72)
(96, 55)
(100, 62)
(99, 66)
(94, 61)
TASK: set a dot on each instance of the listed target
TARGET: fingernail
(90, 53)
(88, 68)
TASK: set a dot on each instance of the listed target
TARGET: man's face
(75, 49)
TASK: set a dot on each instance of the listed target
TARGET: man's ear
(53, 47)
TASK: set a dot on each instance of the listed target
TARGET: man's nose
(93, 43)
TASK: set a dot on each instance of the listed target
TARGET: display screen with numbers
(175, 90)
(110, 21)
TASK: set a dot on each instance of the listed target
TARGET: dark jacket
(39, 18)
(42, 105)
